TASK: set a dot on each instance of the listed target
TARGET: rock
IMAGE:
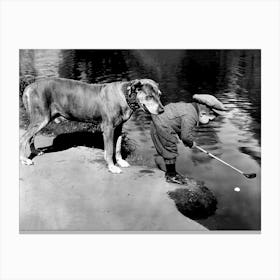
(194, 200)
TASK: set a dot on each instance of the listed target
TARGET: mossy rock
(194, 200)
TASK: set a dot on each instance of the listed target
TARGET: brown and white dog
(111, 104)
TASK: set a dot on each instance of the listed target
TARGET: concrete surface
(72, 190)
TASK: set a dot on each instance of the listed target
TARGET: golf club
(247, 175)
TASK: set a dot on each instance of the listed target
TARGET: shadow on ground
(66, 141)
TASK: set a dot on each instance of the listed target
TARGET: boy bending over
(178, 120)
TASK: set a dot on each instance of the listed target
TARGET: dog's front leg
(108, 136)
(118, 136)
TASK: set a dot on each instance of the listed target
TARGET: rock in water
(194, 200)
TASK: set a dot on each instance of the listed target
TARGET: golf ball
(236, 189)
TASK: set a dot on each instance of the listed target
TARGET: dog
(110, 104)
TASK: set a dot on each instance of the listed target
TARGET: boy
(179, 119)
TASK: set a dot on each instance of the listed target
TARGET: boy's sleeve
(187, 125)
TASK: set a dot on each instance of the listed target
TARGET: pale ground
(72, 190)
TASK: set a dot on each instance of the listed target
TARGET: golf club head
(250, 176)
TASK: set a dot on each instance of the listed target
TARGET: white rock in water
(237, 189)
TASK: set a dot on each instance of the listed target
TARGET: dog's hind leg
(34, 151)
(118, 137)
(108, 136)
(28, 137)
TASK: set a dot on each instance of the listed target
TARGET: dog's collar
(130, 98)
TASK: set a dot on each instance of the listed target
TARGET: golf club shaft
(211, 155)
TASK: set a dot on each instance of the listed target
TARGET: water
(232, 76)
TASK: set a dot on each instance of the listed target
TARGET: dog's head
(147, 95)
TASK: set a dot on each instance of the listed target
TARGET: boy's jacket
(178, 118)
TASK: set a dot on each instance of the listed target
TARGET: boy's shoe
(176, 178)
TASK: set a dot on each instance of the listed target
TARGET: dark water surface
(232, 76)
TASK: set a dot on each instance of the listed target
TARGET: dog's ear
(134, 86)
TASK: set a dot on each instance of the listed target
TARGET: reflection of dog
(111, 104)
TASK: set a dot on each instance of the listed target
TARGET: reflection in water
(252, 152)
(233, 76)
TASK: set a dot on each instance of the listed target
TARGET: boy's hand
(189, 143)
(193, 145)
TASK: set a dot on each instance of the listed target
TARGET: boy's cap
(218, 112)
(211, 101)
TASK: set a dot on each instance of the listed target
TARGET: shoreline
(62, 192)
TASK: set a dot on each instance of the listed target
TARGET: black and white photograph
(140, 140)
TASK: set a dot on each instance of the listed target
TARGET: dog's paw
(26, 161)
(40, 153)
(114, 169)
(123, 163)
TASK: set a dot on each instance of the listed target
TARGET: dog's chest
(127, 112)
